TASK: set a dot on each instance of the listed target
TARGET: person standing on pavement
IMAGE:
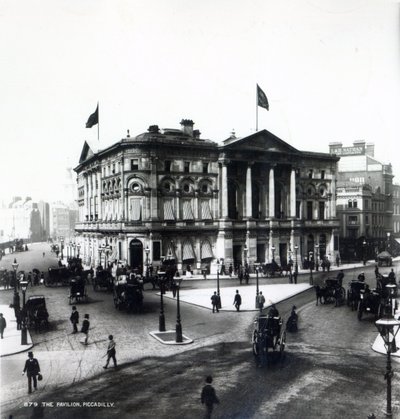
(260, 301)
(32, 369)
(74, 319)
(3, 324)
(209, 397)
(85, 328)
(237, 302)
(215, 302)
(111, 352)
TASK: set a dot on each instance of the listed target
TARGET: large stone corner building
(169, 194)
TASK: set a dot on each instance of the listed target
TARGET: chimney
(370, 149)
(187, 127)
(196, 134)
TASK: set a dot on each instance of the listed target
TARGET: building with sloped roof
(170, 194)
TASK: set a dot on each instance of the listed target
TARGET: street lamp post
(147, 251)
(218, 291)
(62, 248)
(310, 254)
(316, 257)
(178, 328)
(364, 255)
(388, 241)
(15, 267)
(24, 338)
(257, 287)
(296, 266)
(161, 323)
(245, 250)
(290, 267)
(388, 328)
(273, 253)
(78, 246)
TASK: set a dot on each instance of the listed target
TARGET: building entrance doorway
(136, 255)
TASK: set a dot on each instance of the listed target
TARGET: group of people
(7, 278)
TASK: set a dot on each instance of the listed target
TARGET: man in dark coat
(74, 319)
(215, 302)
(111, 352)
(32, 369)
(3, 324)
(209, 397)
(237, 300)
(85, 328)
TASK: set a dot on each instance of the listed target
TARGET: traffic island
(169, 338)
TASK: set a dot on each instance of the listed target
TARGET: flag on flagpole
(93, 118)
(262, 98)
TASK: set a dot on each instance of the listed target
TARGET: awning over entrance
(206, 251)
(187, 251)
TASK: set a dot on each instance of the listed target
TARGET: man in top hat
(32, 369)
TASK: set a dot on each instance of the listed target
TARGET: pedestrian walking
(209, 397)
(85, 328)
(74, 319)
(3, 324)
(111, 352)
(260, 300)
(295, 277)
(215, 302)
(44, 254)
(237, 302)
(32, 370)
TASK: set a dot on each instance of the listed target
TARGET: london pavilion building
(168, 194)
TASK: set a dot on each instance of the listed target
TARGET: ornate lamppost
(388, 328)
(388, 241)
(310, 255)
(256, 265)
(178, 328)
(273, 253)
(316, 257)
(161, 322)
(364, 255)
(245, 250)
(147, 251)
(15, 268)
(296, 266)
(62, 247)
(24, 339)
(218, 291)
(78, 246)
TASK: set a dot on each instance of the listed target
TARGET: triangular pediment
(260, 141)
(87, 152)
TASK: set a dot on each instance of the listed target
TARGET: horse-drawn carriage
(58, 276)
(103, 279)
(382, 285)
(371, 302)
(273, 269)
(128, 296)
(332, 291)
(36, 312)
(78, 291)
(269, 339)
(354, 291)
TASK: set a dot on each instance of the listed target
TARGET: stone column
(122, 189)
(99, 191)
(333, 198)
(249, 200)
(293, 193)
(224, 188)
(86, 198)
(271, 200)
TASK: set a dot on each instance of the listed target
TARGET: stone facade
(169, 194)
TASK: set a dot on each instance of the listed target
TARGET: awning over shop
(206, 251)
(187, 210)
(187, 251)
(205, 210)
(168, 210)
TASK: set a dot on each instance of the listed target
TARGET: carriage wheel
(359, 311)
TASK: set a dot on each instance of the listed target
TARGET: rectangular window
(205, 167)
(167, 165)
(298, 203)
(134, 164)
(322, 174)
(322, 210)
(186, 167)
(310, 174)
(350, 204)
(354, 204)
(309, 210)
(353, 219)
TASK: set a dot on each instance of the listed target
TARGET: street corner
(169, 338)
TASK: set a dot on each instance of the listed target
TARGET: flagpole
(98, 122)
(256, 109)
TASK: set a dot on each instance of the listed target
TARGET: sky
(330, 70)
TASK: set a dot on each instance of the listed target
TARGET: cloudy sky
(330, 69)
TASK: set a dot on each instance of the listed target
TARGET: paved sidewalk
(11, 344)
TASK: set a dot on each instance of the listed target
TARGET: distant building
(63, 219)
(44, 209)
(364, 200)
(169, 194)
